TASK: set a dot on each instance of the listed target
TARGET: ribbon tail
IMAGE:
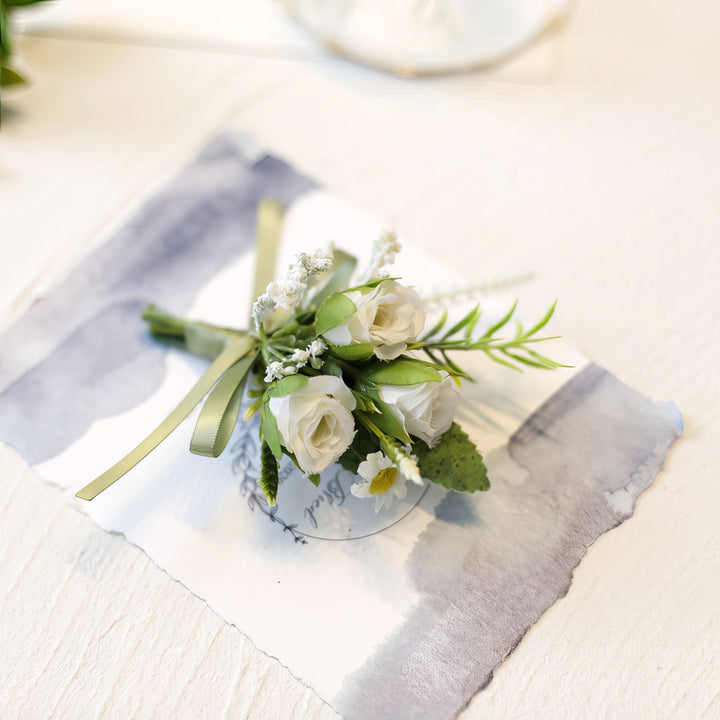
(267, 240)
(219, 414)
(229, 357)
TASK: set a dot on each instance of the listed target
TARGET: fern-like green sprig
(513, 352)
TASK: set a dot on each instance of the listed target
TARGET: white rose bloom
(379, 477)
(389, 316)
(316, 422)
(426, 410)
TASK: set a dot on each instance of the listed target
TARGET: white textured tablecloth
(593, 161)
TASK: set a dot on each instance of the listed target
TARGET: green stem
(288, 329)
(196, 337)
(371, 426)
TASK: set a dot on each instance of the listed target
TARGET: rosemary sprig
(513, 352)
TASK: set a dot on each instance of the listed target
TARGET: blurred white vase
(422, 37)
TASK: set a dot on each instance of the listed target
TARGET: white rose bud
(426, 410)
(316, 422)
(389, 316)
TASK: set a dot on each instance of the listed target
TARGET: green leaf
(471, 325)
(371, 285)
(253, 408)
(287, 385)
(22, 3)
(501, 323)
(269, 480)
(445, 366)
(454, 462)
(314, 478)
(334, 311)
(471, 317)
(384, 419)
(437, 327)
(390, 425)
(540, 325)
(496, 358)
(269, 430)
(10, 77)
(403, 371)
(363, 444)
(330, 367)
(455, 369)
(358, 352)
(5, 44)
(363, 402)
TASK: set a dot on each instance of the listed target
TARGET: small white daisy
(380, 477)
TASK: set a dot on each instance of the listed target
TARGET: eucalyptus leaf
(454, 462)
(334, 311)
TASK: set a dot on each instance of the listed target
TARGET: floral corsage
(340, 373)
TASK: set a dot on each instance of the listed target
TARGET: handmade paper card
(404, 612)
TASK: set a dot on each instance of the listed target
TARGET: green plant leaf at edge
(9, 77)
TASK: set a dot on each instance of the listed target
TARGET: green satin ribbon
(233, 352)
(226, 360)
(219, 414)
(268, 231)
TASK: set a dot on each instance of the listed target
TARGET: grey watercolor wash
(488, 566)
(84, 353)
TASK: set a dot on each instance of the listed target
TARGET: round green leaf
(334, 311)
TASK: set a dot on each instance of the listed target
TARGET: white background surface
(594, 161)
